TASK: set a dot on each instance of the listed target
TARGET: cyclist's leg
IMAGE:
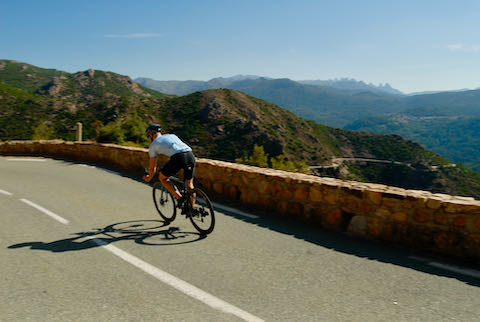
(188, 173)
(169, 169)
(167, 183)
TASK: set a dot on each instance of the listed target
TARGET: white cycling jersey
(167, 144)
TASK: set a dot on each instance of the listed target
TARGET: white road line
(464, 271)
(452, 268)
(235, 211)
(3, 192)
(87, 165)
(46, 211)
(94, 167)
(26, 159)
(418, 258)
(177, 283)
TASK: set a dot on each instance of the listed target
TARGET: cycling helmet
(153, 128)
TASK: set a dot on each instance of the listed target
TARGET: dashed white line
(6, 193)
(235, 211)
(46, 211)
(178, 284)
(452, 268)
(94, 167)
(456, 269)
(87, 166)
(26, 159)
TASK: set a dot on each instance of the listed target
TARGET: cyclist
(181, 157)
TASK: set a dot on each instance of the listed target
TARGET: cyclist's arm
(152, 169)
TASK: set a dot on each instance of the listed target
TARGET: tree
(261, 159)
(258, 157)
(43, 132)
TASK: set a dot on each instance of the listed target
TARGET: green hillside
(220, 124)
(450, 130)
(445, 122)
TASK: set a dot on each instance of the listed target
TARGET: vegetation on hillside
(259, 158)
(220, 124)
(456, 138)
(446, 122)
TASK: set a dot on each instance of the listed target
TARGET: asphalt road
(80, 243)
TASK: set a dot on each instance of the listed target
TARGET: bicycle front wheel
(202, 215)
(164, 202)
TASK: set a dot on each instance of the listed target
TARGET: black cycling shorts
(183, 160)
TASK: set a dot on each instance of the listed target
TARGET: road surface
(81, 243)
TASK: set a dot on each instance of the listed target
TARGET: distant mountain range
(190, 86)
(445, 122)
(218, 123)
(324, 104)
(353, 86)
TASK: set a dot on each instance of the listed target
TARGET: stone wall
(420, 220)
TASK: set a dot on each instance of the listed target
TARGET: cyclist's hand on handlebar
(146, 176)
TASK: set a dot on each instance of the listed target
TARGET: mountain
(345, 85)
(336, 102)
(324, 104)
(447, 123)
(221, 124)
(353, 86)
(190, 86)
(47, 98)
(444, 122)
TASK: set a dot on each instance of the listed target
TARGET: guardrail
(416, 219)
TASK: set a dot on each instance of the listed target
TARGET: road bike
(195, 205)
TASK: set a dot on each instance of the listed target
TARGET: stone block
(388, 231)
(334, 217)
(421, 215)
(462, 206)
(233, 192)
(383, 213)
(218, 188)
(263, 186)
(460, 221)
(374, 226)
(400, 216)
(357, 226)
(374, 197)
(363, 207)
(392, 203)
(276, 190)
(349, 205)
(434, 203)
(295, 209)
(301, 194)
(440, 218)
(446, 239)
(331, 196)
(315, 195)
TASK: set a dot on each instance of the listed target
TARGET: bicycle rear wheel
(164, 202)
(202, 215)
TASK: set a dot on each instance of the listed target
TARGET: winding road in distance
(81, 243)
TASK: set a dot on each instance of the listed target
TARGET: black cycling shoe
(180, 202)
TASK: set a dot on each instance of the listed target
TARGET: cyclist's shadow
(145, 232)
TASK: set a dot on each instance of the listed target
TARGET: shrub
(111, 133)
(43, 132)
(261, 159)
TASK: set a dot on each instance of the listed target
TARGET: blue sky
(412, 45)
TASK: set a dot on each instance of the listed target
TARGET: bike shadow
(144, 232)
